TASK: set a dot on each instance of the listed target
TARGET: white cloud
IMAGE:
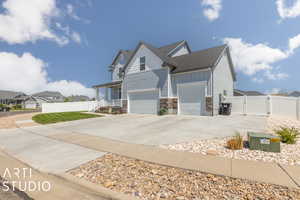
(275, 76)
(288, 12)
(294, 43)
(68, 88)
(28, 21)
(76, 37)
(28, 74)
(257, 80)
(71, 13)
(68, 32)
(250, 59)
(212, 9)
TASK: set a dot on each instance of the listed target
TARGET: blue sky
(69, 44)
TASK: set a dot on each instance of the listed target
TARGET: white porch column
(269, 105)
(245, 105)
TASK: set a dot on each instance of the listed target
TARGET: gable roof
(202, 59)
(48, 94)
(5, 94)
(166, 50)
(162, 52)
(127, 54)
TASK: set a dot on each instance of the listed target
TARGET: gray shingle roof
(76, 98)
(196, 60)
(48, 94)
(165, 50)
(5, 94)
(295, 94)
(161, 52)
(247, 93)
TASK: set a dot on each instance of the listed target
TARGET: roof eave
(107, 84)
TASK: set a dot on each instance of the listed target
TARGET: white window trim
(143, 63)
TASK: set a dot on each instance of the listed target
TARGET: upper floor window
(142, 63)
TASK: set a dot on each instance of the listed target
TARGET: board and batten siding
(189, 77)
(119, 63)
(222, 81)
(182, 50)
(152, 61)
(146, 80)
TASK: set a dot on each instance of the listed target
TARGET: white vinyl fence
(70, 106)
(265, 105)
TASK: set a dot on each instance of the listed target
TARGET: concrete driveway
(157, 130)
(33, 146)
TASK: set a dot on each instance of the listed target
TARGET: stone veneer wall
(124, 106)
(170, 104)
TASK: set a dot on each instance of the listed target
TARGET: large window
(142, 63)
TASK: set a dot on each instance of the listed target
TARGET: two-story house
(172, 77)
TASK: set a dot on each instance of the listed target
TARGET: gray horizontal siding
(146, 80)
(223, 81)
(190, 77)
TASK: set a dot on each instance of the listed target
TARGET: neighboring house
(172, 77)
(11, 97)
(247, 93)
(76, 98)
(50, 96)
(294, 94)
(32, 102)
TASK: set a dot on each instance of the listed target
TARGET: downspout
(212, 91)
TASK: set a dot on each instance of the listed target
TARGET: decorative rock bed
(149, 181)
(290, 154)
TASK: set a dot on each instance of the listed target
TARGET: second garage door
(191, 98)
(144, 102)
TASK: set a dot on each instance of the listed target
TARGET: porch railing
(112, 102)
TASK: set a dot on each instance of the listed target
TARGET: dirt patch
(12, 121)
(153, 182)
(7, 192)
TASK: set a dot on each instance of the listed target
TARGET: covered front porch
(112, 94)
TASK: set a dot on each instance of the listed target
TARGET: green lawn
(49, 118)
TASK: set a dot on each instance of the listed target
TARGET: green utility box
(264, 142)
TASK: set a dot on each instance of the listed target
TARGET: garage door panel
(144, 102)
(191, 98)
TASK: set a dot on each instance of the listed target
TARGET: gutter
(212, 90)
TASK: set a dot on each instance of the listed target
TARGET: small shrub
(288, 135)
(236, 142)
(162, 111)
(17, 107)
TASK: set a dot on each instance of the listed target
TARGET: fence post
(269, 105)
(245, 105)
(298, 108)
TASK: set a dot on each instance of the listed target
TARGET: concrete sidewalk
(62, 186)
(252, 170)
(43, 153)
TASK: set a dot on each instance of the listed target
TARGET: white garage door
(191, 98)
(145, 102)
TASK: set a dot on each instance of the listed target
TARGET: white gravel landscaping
(290, 154)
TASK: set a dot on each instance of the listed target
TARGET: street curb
(100, 190)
